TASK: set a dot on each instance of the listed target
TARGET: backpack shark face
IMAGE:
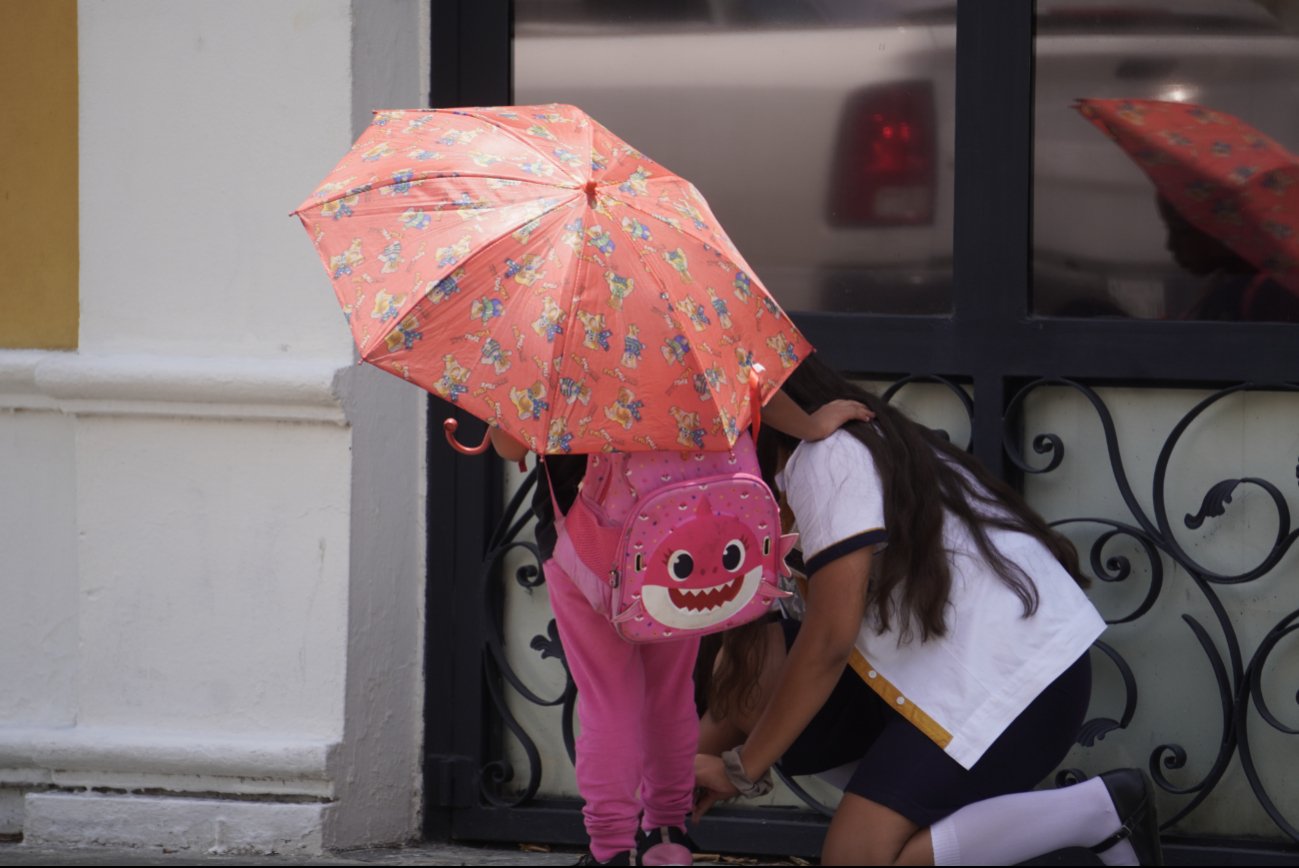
(707, 569)
(670, 545)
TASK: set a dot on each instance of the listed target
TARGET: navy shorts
(900, 768)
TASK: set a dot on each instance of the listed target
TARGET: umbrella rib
(561, 351)
(732, 254)
(739, 260)
(478, 253)
(431, 177)
(700, 365)
(775, 380)
(583, 263)
(513, 135)
(570, 323)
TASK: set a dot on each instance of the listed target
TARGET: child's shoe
(622, 858)
(667, 845)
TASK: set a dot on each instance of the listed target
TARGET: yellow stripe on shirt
(897, 701)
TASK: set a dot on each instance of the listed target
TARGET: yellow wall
(38, 174)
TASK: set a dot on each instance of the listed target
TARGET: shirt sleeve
(837, 498)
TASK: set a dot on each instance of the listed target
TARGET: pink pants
(639, 730)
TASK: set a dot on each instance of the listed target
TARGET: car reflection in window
(822, 132)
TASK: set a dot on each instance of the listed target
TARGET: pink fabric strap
(595, 544)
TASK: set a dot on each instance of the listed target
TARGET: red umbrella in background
(1220, 174)
(531, 267)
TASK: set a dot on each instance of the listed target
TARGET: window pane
(819, 131)
(1221, 239)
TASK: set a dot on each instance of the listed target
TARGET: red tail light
(885, 168)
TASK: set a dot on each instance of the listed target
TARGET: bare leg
(867, 833)
(1004, 830)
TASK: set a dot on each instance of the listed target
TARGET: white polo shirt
(962, 689)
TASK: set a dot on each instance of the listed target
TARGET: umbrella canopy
(529, 266)
(1223, 176)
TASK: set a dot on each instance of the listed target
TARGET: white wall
(212, 519)
(202, 125)
(38, 571)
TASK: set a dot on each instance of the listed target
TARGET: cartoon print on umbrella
(528, 265)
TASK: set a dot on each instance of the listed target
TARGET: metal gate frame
(990, 340)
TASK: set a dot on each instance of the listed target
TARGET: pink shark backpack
(673, 544)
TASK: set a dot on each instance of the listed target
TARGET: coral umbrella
(526, 264)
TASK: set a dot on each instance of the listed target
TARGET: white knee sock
(1010, 829)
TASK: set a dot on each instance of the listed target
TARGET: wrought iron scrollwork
(1146, 533)
(1095, 729)
(1118, 568)
(962, 396)
(1253, 691)
(496, 774)
(1238, 685)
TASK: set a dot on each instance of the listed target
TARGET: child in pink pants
(639, 731)
(635, 702)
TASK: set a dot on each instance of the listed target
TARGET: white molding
(81, 384)
(181, 762)
(198, 826)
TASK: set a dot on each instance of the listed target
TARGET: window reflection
(1183, 207)
(820, 131)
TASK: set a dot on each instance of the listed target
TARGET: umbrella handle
(755, 400)
(450, 426)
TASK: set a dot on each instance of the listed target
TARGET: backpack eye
(733, 555)
(681, 565)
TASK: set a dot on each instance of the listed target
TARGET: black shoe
(669, 845)
(1134, 801)
(623, 858)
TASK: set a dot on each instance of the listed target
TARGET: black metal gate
(991, 342)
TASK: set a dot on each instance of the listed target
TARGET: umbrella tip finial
(590, 193)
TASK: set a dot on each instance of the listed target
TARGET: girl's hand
(830, 417)
(782, 413)
(711, 784)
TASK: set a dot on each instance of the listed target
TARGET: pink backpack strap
(595, 544)
(557, 514)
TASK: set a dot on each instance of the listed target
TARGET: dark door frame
(990, 340)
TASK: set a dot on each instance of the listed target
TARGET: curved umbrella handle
(449, 427)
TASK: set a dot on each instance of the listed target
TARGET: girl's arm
(836, 603)
(506, 446)
(783, 414)
(716, 735)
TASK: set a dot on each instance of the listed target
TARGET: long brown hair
(911, 578)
